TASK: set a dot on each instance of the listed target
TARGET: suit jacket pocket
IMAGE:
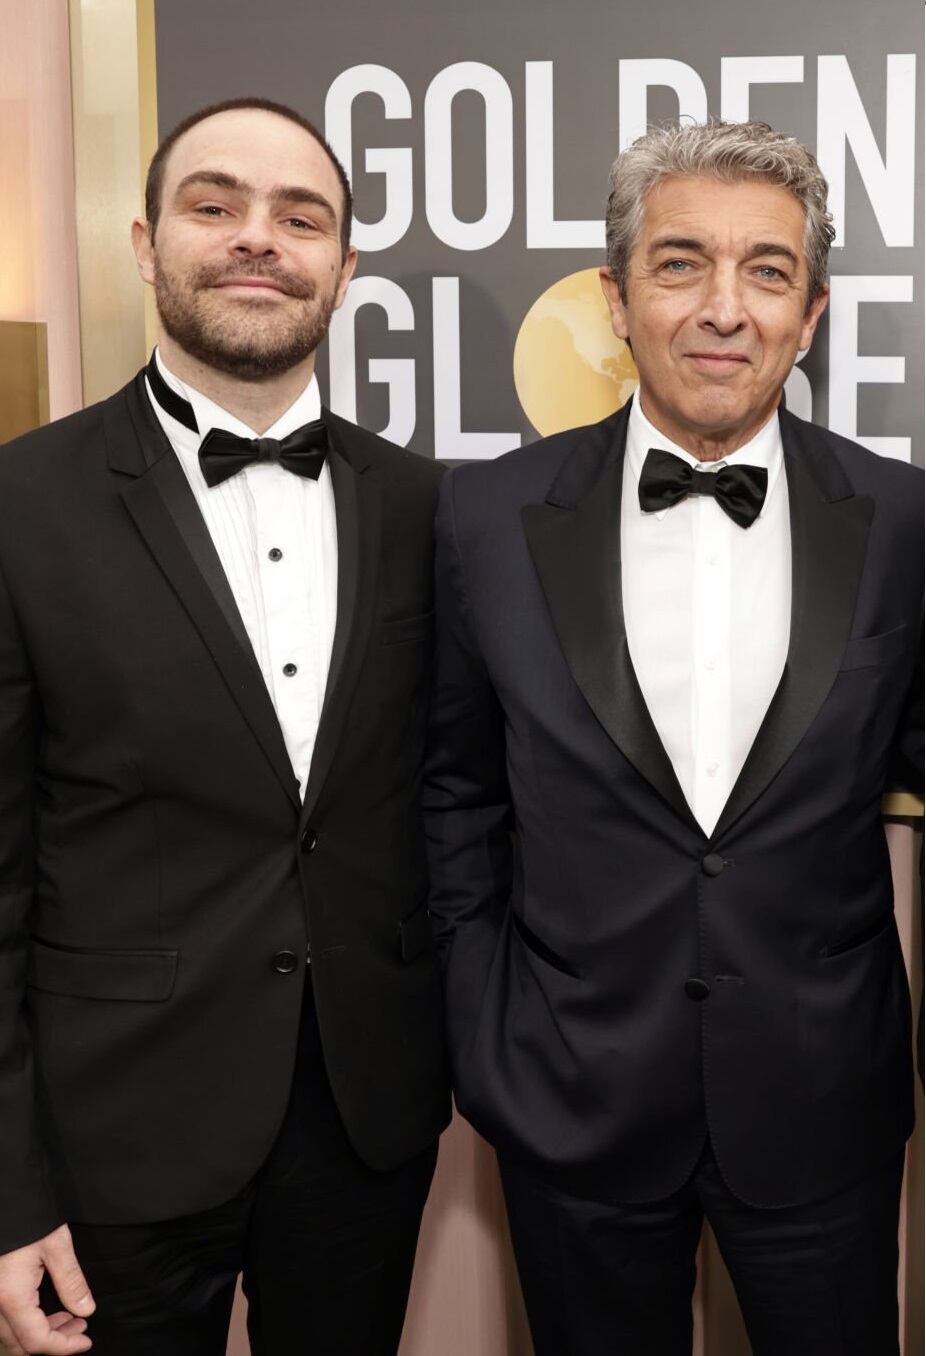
(403, 629)
(860, 938)
(864, 652)
(130, 976)
(540, 948)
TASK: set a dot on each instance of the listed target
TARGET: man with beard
(220, 1042)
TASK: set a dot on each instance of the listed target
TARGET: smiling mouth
(720, 359)
(253, 285)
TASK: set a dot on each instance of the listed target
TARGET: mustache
(212, 275)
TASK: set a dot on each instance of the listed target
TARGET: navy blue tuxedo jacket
(575, 897)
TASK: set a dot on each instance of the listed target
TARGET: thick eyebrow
(676, 242)
(768, 248)
(213, 179)
(295, 195)
(288, 194)
(762, 248)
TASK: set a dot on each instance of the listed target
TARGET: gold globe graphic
(569, 366)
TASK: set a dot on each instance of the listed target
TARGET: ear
(144, 248)
(612, 295)
(347, 272)
(812, 317)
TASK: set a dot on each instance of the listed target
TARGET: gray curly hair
(730, 152)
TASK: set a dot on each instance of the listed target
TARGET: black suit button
(308, 840)
(713, 864)
(285, 962)
(697, 989)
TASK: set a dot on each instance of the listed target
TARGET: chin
(718, 414)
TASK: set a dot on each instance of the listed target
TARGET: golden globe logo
(569, 366)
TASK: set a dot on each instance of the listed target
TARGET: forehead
(261, 148)
(721, 213)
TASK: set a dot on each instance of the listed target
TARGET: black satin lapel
(576, 551)
(157, 452)
(165, 513)
(828, 545)
(357, 512)
(184, 510)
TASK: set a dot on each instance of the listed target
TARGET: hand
(24, 1328)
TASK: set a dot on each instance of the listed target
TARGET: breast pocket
(865, 652)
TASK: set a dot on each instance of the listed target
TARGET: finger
(68, 1279)
(67, 1323)
(32, 1332)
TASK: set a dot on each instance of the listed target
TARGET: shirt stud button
(290, 670)
(697, 989)
(274, 553)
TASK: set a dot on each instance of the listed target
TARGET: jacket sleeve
(27, 1206)
(467, 805)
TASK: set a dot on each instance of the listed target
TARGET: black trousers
(325, 1244)
(609, 1280)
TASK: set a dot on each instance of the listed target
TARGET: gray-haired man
(677, 651)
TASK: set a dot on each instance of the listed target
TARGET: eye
(211, 209)
(301, 223)
(677, 265)
(768, 273)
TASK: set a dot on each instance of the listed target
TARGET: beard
(252, 341)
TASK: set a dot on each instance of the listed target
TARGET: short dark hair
(155, 179)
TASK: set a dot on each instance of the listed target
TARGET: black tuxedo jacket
(618, 984)
(160, 882)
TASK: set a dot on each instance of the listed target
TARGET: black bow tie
(666, 480)
(223, 454)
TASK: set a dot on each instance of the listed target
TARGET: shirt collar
(764, 449)
(304, 409)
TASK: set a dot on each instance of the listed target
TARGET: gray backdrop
(535, 116)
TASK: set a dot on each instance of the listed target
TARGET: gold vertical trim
(111, 87)
(23, 377)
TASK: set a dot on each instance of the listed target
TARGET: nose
(723, 307)
(255, 237)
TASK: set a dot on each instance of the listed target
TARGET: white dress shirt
(707, 606)
(276, 536)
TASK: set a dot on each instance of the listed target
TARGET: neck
(258, 404)
(705, 445)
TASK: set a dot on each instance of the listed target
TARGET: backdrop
(479, 144)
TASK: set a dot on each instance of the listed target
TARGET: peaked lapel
(829, 539)
(574, 539)
(358, 515)
(165, 512)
